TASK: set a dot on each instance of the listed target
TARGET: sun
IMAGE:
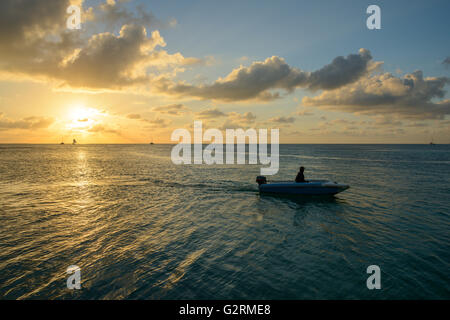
(79, 113)
(82, 117)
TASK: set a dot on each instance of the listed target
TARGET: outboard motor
(261, 180)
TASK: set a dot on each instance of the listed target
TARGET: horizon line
(155, 143)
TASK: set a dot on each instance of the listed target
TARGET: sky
(137, 70)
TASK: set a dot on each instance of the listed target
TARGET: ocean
(140, 227)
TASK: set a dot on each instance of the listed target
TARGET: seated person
(300, 177)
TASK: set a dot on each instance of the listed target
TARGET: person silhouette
(300, 177)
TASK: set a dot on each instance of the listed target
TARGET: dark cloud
(153, 123)
(246, 117)
(99, 128)
(412, 96)
(108, 61)
(417, 125)
(114, 13)
(172, 109)
(26, 123)
(304, 113)
(340, 122)
(33, 36)
(283, 120)
(340, 71)
(134, 116)
(157, 123)
(446, 62)
(386, 121)
(259, 80)
(238, 120)
(35, 42)
(210, 113)
(20, 18)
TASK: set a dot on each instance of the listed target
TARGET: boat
(74, 141)
(431, 142)
(310, 187)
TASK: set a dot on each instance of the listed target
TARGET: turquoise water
(140, 227)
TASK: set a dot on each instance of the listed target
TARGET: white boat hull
(315, 187)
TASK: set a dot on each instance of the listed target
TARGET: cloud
(282, 120)
(172, 109)
(112, 13)
(153, 123)
(100, 128)
(259, 80)
(387, 121)
(115, 13)
(409, 97)
(210, 113)
(342, 71)
(25, 123)
(36, 44)
(304, 113)
(340, 122)
(19, 19)
(446, 62)
(33, 35)
(416, 125)
(246, 117)
(158, 122)
(192, 61)
(238, 120)
(110, 61)
(134, 116)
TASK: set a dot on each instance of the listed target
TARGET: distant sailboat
(62, 141)
(432, 138)
(74, 141)
(151, 141)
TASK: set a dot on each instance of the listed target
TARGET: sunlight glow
(80, 112)
(81, 117)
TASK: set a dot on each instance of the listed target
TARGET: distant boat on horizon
(74, 141)
(431, 141)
